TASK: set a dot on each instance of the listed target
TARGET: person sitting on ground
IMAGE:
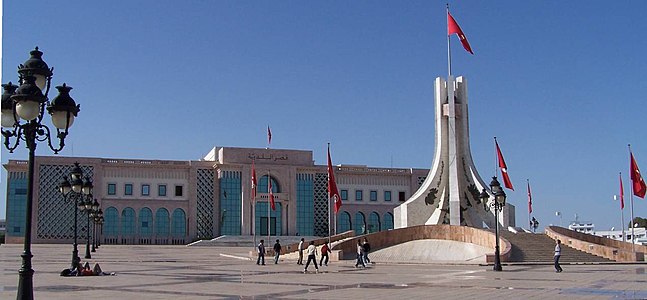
(85, 270)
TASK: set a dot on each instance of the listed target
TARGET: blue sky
(560, 84)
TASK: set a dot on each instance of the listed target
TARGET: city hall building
(177, 202)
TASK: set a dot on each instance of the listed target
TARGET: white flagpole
(529, 205)
(329, 198)
(269, 190)
(253, 194)
(622, 210)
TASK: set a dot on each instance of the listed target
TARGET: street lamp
(91, 208)
(73, 188)
(499, 203)
(95, 221)
(23, 109)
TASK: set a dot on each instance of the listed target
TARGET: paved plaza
(178, 272)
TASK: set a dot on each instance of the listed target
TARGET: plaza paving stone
(179, 272)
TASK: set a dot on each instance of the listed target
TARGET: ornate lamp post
(499, 203)
(100, 228)
(23, 109)
(91, 207)
(73, 188)
(95, 221)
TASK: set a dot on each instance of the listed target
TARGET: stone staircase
(538, 247)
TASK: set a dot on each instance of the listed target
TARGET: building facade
(176, 202)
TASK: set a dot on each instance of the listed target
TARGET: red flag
(269, 135)
(333, 193)
(503, 167)
(452, 27)
(622, 194)
(529, 199)
(639, 186)
(269, 187)
(253, 182)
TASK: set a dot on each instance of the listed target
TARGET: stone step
(536, 247)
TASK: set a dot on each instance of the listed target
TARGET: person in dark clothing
(366, 248)
(277, 251)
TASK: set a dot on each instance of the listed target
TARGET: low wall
(597, 245)
(384, 239)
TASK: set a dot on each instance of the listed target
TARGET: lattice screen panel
(55, 213)
(321, 204)
(205, 203)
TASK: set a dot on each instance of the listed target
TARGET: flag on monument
(529, 199)
(622, 194)
(333, 192)
(503, 167)
(639, 186)
(253, 181)
(269, 135)
(452, 27)
(269, 187)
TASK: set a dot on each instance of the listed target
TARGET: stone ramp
(432, 251)
(539, 248)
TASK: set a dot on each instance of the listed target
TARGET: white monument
(450, 192)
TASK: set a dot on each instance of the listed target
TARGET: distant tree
(640, 222)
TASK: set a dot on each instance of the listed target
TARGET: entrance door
(264, 226)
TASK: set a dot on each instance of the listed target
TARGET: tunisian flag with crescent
(333, 192)
(452, 27)
(503, 167)
(639, 186)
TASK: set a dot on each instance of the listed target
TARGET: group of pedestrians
(362, 253)
(311, 252)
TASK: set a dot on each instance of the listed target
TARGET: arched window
(373, 222)
(262, 185)
(178, 223)
(360, 223)
(388, 221)
(128, 221)
(111, 223)
(162, 222)
(343, 223)
(145, 222)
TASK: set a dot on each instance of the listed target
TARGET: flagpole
(329, 214)
(449, 53)
(529, 204)
(269, 191)
(622, 210)
(253, 194)
(633, 236)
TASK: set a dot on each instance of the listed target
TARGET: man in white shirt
(300, 260)
(312, 256)
(558, 254)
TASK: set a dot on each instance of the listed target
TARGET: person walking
(366, 248)
(300, 248)
(558, 254)
(312, 256)
(261, 253)
(277, 251)
(360, 255)
(324, 254)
